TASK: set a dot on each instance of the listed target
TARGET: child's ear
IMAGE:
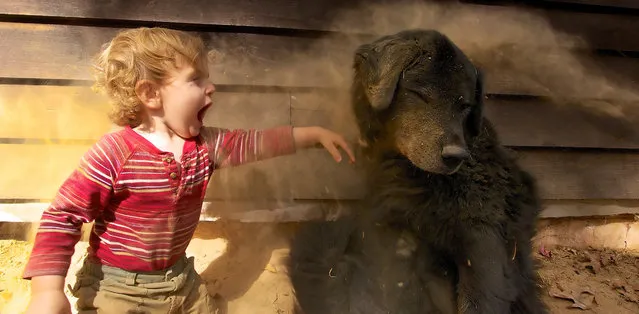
(149, 93)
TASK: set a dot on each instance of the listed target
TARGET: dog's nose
(454, 154)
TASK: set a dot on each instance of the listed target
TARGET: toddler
(143, 186)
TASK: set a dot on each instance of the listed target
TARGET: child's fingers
(330, 147)
(342, 143)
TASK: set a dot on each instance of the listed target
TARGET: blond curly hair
(141, 53)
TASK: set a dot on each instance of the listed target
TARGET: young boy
(143, 186)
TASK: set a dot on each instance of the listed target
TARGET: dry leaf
(556, 293)
(270, 268)
(582, 300)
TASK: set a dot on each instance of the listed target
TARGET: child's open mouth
(202, 112)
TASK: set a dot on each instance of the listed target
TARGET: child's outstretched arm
(80, 198)
(229, 148)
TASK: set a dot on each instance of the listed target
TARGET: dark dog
(448, 220)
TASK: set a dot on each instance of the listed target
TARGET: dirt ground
(589, 280)
(251, 278)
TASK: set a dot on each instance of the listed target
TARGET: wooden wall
(287, 62)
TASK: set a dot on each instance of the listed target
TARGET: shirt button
(173, 175)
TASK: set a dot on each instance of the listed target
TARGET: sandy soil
(590, 281)
(244, 269)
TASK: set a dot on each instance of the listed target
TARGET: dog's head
(417, 92)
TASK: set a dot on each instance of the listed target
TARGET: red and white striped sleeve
(228, 148)
(82, 195)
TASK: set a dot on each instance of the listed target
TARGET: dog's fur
(448, 220)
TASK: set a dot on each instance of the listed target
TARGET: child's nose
(210, 88)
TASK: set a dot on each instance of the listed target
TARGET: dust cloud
(519, 50)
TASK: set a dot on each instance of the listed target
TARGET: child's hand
(310, 136)
(49, 302)
(47, 296)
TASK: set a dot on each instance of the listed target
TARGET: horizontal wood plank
(589, 208)
(581, 175)
(75, 113)
(313, 174)
(522, 122)
(626, 4)
(310, 174)
(52, 112)
(542, 123)
(254, 211)
(248, 110)
(279, 212)
(269, 60)
(599, 31)
(606, 31)
(278, 13)
(36, 171)
(531, 21)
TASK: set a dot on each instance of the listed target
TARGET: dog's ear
(378, 67)
(474, 120)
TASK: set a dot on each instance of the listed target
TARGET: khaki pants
(103, 289)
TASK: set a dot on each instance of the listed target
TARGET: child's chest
(159, 179)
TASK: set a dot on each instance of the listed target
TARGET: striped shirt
(145, 207)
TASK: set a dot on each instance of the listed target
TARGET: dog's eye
(424, 95)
